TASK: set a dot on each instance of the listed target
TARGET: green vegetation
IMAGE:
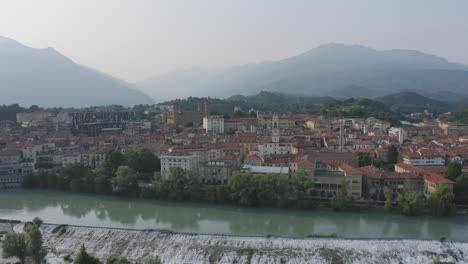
(364, 159)
(37, 221)
(461, 189)
(388, 194)
(410, 102)
(125, 181)
(15, 245)
(118, 174)
(25, 246)
(340, 200)
(454, 170)
(441, 201)
(8, 112)
(392, 155)
(410, 200)
(84, 258)
(36, 249)
(437, 261)
(282, 103)
(460, 116)
(242, 189)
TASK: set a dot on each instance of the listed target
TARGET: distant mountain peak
(46, 77)
(4, 41)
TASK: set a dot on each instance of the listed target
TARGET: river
(109, 211)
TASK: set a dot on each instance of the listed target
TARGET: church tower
(275, 131)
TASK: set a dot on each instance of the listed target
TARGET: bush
(37, 221)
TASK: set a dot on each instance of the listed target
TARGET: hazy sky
(137, 39)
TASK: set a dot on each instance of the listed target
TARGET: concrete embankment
(179, 248)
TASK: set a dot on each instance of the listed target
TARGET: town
(363, 159)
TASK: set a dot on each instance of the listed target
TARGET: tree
(461, 189)
(301, 184)
(339, 201)
(101, 183)
(243, 188)
(392, 155)
(239, 113)
(125, 181)
(441, 201)
(147, 162)
(364, 159)
(454, 170)
(388, 194)
(130, 158)
(36, 249)
(34, 108)
(71, 177)
(37, 221)
(114, 159)
(15, 245)
(410, 199)
(84, 258)
(223, 193)
(195, 189)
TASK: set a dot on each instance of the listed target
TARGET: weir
(136, 245)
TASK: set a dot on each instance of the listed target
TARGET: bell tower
(275, 131)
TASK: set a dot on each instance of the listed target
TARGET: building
(376, 179)
(214, 123)
(454, 128)
(26, 118)
(329, 175)
(215, 172)
(183, 160)
(275, 145)
(178, 117)
(425, 157)
(10, 169)
(94, 121)
(431, 179)
(10, 160)
(11, 180)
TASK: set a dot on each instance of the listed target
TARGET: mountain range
(336, 70)
(45, 77)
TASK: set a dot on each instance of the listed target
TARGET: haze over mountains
(45, 77)
(333, 69)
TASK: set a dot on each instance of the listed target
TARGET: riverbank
(176, 248)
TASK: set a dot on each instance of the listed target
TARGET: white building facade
(214, 123)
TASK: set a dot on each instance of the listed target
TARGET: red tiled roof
(343, 166)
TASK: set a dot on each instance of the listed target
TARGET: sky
(138, 39)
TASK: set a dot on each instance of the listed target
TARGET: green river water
(109, 211)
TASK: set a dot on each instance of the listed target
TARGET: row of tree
(242, 189)
(118, 174)
(455, 173)
(410, 202)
